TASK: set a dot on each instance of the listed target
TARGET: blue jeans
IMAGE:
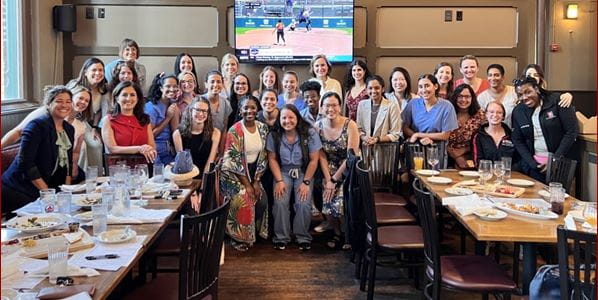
(164, 155)
(282, 213)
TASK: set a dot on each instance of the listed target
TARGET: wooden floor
(320, 273)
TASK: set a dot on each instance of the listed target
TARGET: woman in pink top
(469, 66)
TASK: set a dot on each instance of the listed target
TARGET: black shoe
(304, 246)
(280, 246)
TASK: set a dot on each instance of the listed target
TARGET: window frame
(24, 35)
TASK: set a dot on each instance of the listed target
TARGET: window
(12, 50)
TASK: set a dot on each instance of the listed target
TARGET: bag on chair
(183, 163)
(545, 285)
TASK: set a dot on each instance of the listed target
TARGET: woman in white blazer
(378, 119)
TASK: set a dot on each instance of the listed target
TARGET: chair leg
(463, 239)
(358, 264)
(516, 250)
(372, 277)
(506, 296)
(364, 270)
(485, 296)
(497, 252)
(154, 267)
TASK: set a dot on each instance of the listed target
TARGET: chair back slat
(130, 159)
(354, 205)
(209, 187)
(583, 245)
(367, 196)
(426, 212)
(442, 155)
(201, 244)
(382, 161)
(561, 169)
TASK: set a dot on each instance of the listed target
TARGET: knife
(105, 256)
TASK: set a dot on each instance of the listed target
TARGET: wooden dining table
(518, 229)
(109, 280)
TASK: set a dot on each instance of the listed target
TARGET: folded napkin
(72, 271)
(139, 215)
(67, 291)
(570, 223)
(74, 188)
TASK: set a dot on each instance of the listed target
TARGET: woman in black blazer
(555, 134)
(45, 159)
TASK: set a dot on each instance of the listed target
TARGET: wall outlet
(448, 15)
(89, 13)
(101, 13)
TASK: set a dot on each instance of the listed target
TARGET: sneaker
(280, 246)
(323, 227)
(304, 246)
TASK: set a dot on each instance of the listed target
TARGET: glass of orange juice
(418, 162)
(589, 213)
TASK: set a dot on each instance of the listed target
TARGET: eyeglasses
(199, 110)
(464, 97)
(497, 112)
(331, 105)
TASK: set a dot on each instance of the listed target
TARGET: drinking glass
(108, 196)
(485, 171)
(63, 201)
(143, 169)
(507, 166)
(499, 171)
(47, 200)
(100, 218)
(91, 175)
(589, 213)
(135, 181)
(557, 197)
(158, 173)
(122, 202)
(58, 250)
(432, 155)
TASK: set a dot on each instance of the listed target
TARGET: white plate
(468, 182)
(546, 194)
(84, 216)
(469, 173)
(440, 180)
(87, 200)
(116, 236)
(498, 214)
(36, 223)
(543, 215)
(520, 182)
(10, 294)
(426, 172)
(577, 215)
(458, 191)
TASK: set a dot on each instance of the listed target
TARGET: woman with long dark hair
(293, 153)
(240, 87)
(127, 130)
(445, 75)
(92, 77)
(184, 62)
(399, 88)
(355, 87)
(469, 119)
(164, 113)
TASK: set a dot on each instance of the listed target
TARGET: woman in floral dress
(338, 134)
(243, 164)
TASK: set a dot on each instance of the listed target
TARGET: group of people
(285, 140)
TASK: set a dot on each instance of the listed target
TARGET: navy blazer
(37, 156)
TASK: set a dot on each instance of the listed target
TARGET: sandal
(335, 242)
(346, 247)
(239, 246)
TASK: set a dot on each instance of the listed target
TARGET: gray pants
(282, 213)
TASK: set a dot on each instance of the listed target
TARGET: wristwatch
(307, 182)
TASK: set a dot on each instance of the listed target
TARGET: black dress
(199, 148)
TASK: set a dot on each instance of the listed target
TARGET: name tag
(524, 126)
(550, 115)
(507, 143)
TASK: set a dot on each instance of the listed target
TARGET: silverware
(105, 256)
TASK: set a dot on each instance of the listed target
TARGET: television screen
(293, 31)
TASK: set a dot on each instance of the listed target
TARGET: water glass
(63, 201)
(144, 171)
(485, 171)
(557, 197)
(58, 250)
(108, 196)
(47, 200)
(499, 171)
(158, 173)
(100, 218)
(432, 154)
(122, 201)
(91, 175)
(507, 166)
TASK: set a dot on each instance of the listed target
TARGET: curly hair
(115, 81)
(474, 107)
(186, 124)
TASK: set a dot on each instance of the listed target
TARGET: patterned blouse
(462, 136)
(353, 103)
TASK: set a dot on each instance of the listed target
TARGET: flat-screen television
(293, 31)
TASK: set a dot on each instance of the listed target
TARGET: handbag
(546, 284)
(183, 163)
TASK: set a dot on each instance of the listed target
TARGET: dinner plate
(458, 191)
(116, 236)
(490, 214)
(87, 200)
(468, 182)
(36, 223)
(546, 194)
(84, 216)
(469, 173)
(520, 182)
(543, 215)
(577, 215)
(427, 172)
(440, 180)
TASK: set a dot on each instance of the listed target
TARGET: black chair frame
(584, 263)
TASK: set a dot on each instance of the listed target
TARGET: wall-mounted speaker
(64, 18)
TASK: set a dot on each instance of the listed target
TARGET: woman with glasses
(493, 140)
(187, 85)
(197, 134)
(469, 119)
(541, 127)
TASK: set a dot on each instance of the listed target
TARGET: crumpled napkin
(72, 270)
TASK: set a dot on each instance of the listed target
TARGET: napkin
(74, 188)
(570, 223)
(66, 291)
(72, 271)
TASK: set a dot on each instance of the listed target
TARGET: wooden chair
(130, 159)
(9, 154)
(383, 160)
(202, 237)
(561, 169)
(582, 285)
(394, 240)
(472, 273)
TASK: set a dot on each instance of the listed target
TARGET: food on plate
(90, 200)
(486, 212)
(528, 208)
(35, 222)
(29, 243)
(505, 189)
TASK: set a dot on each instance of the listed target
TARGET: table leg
(529, 266)
(480, 248)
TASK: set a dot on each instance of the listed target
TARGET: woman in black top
(493, 140)
(197, 134)
(557, 130)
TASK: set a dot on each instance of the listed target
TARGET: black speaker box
(64, 18)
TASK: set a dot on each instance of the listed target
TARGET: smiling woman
(46, 156)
